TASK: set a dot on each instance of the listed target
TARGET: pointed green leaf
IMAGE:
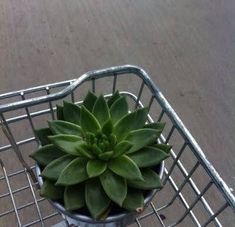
(118, 109)
(134, 201)
(130, 122)
(95, 167)
(89, 101)
(59, 112)
(97, 201)
(101, 110)
(122, 148)
(106, 155)
(42, 134)
(107, 127)
(156, 125)
(151, 181)
(53, 170)
(141, 138)
(112, 140)
(164, 147)
(113, 98)
(148, 156)
(114, 186)
(124, 125)
(68, 143)
(74, 197)
(89, 137)
(141, 117)
(71, 113)
(46, 154)
(125, 167)
(65, 127)
(84, 150)
(105, 214)
(88, 122)
(50, 191)
(73, 173)
(96, 150)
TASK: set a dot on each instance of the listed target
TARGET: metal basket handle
(116, 70)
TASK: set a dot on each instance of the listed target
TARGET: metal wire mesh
(193, 193)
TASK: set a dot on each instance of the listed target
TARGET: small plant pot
(119, 219)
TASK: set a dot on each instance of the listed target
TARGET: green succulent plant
(98, 154)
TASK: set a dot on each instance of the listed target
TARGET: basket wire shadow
(193, 195)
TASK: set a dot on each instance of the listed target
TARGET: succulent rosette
(99, 154)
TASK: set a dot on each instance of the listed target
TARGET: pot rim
(84, 218)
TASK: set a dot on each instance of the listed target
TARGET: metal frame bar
(10, 192)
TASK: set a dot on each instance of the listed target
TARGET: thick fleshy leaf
(84, 150)
(112, 140)
(68, 143)
(96, 150)
(74, 197)
(42, 134)
(124, 125)
(122, 148)
(90, 100)
(141, 117)
(107, 127)
(125, 167)
(97, 201)
(151, 180)
(65, 127)
(95, 167)
(106, 155)
(89, 137)
(164, 147)
(156, 125)
(50, 191)
(148, 156)
(113, 98)
(101, 110)
(73, 173)
(54, 169)
(118, 109)
(105, 214)
(114, 186)
(46, 154)
(134, 201)
(141, 138)
(88, 122)
(130, 122)
(59, 112)
(71, 112)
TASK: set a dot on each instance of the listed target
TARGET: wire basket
(193, 195)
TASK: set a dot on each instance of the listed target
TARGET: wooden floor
(187, 46)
